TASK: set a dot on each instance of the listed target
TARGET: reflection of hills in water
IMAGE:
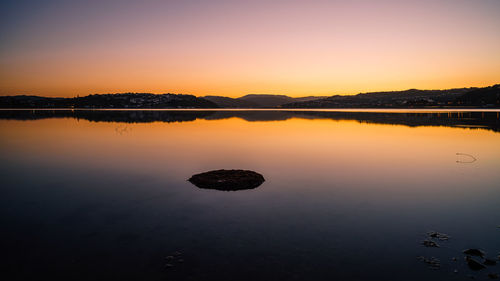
(483, 120)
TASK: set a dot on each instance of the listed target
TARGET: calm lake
(348, 195)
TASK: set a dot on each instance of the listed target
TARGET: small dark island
(227, 180)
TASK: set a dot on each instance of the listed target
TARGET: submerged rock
(173, 260)
(473, 264)
(490, 262)
(430, 244)
(433, 262)
(437, 235)
(227, 180)
(474, 252)
(493, 275)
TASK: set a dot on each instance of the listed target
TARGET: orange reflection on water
(340, 153)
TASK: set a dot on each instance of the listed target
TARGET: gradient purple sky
(233, 48)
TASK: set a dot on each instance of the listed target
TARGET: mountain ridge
(257, 100)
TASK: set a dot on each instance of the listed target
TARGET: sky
(238, 47)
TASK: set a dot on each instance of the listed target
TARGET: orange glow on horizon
(234, 48)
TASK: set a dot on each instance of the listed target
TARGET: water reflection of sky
(342, 199)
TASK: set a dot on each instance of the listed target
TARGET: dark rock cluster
(475, 259)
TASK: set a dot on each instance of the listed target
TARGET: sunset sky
(239, 47)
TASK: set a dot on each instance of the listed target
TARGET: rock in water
(439, 236)
(490, 262)
(473, 264)
(433, 262)
(474, 252)
(228, 180)
(493, 275)
(430, 244)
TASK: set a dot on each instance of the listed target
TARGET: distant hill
(267, 100)
(126, 100)
(480, 97)
(256, 101)
(226, 102)
(489, 96)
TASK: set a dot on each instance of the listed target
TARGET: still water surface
(348, 196)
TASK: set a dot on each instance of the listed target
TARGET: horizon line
(261, 94)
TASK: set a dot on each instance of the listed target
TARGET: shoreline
(386, 110)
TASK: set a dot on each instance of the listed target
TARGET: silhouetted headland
(487, 97)
(127, 100)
